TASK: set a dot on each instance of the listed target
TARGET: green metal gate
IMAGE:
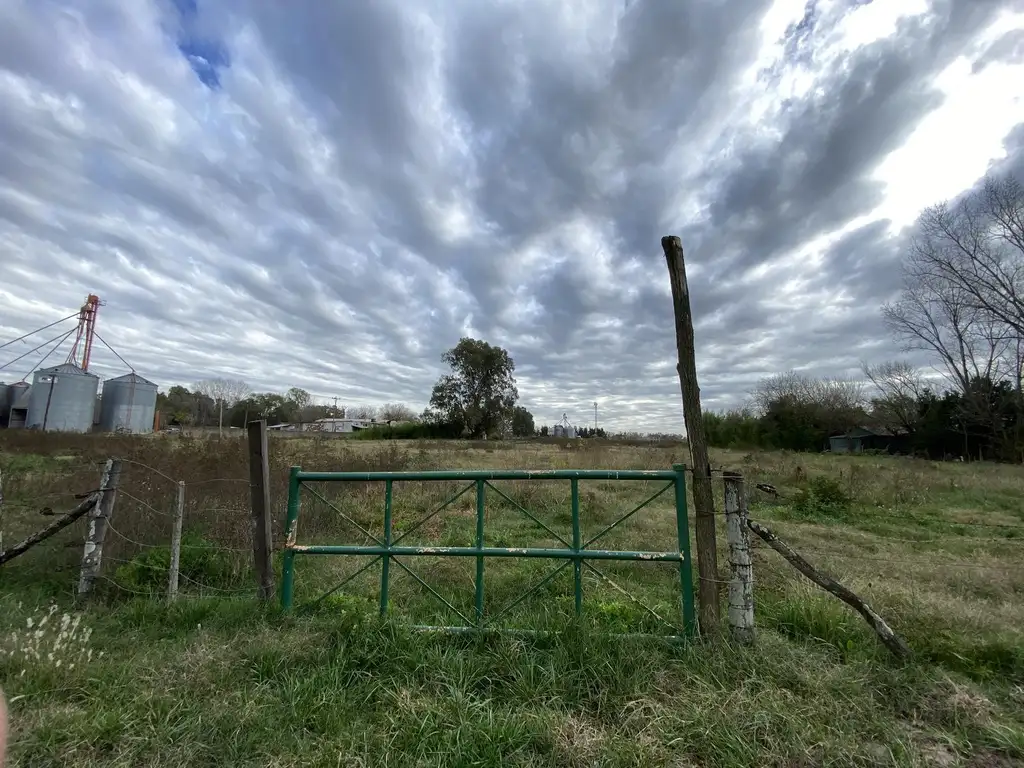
(577, 552)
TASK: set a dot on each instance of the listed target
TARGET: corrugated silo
(570, 431)
(62, 399)
(559, 430)
(17, 399)
(128, 404)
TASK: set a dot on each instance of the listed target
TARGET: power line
(31, 351)
(104, 342)
(47, 355)
(37, 330)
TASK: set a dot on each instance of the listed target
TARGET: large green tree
(522, 422)
(478, 396)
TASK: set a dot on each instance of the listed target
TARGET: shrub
(200, 564)
(823, 497)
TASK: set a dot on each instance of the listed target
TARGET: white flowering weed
(49, 640)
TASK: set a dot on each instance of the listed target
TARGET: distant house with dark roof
(861, 439)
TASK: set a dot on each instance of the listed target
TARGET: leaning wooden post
(703, 493)
(99, 519)
(59, 524)
(896, 644)
(259, 489)
(741, 585)
(179, 520)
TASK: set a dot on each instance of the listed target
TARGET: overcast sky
(330, 194)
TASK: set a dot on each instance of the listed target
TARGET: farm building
(861, 439)
(340, 425)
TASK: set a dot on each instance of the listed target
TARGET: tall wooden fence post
(259, 489)
(179, 521)
(741, 585)
(703, 493)
(99, 519)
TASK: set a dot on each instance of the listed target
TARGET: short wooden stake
(99, 519)
(179, 520)
(741, 584)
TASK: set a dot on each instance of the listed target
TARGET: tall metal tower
(86, 332)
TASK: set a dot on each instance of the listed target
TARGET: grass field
(215, 679)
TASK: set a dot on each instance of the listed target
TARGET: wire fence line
(215, 550)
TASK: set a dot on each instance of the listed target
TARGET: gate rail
(577, 552)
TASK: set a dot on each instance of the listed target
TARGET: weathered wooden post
(179, 521)
(896, 644)
(259, 488)
(741, 585)
(703, 493)
(59, 524)
(99, 519)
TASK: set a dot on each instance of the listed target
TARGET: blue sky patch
(206, 56)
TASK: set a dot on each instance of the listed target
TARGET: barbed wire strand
(137, 500)
(212, 547)
(189, 483)
(154, 470)
(922, 561)
(164, 570)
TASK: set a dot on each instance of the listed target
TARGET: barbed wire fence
(165, 536)
(182, 537)
(178, 537)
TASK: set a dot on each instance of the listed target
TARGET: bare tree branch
(899, 386)
(977, 246)
(223, 392)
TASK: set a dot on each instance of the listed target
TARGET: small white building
(343, 425)
(334, 424)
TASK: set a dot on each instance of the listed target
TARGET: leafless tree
(836, 402)
(782, 386)
(972, 251)
(940, 316)
(840, 395)
(833, 393)
(396, 412)
(963, 296)
(899, 386)
(361, 412)
(223, 392)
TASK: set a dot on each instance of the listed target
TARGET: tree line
(231, 403)
(962, 303)
(477, 398)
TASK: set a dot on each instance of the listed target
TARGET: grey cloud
(301, 198)
(1009, 48)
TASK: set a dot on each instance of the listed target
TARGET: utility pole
(595, 416)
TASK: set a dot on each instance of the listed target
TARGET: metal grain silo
(128, 404)
(559, 430)
(17, 403)
(62, 399)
